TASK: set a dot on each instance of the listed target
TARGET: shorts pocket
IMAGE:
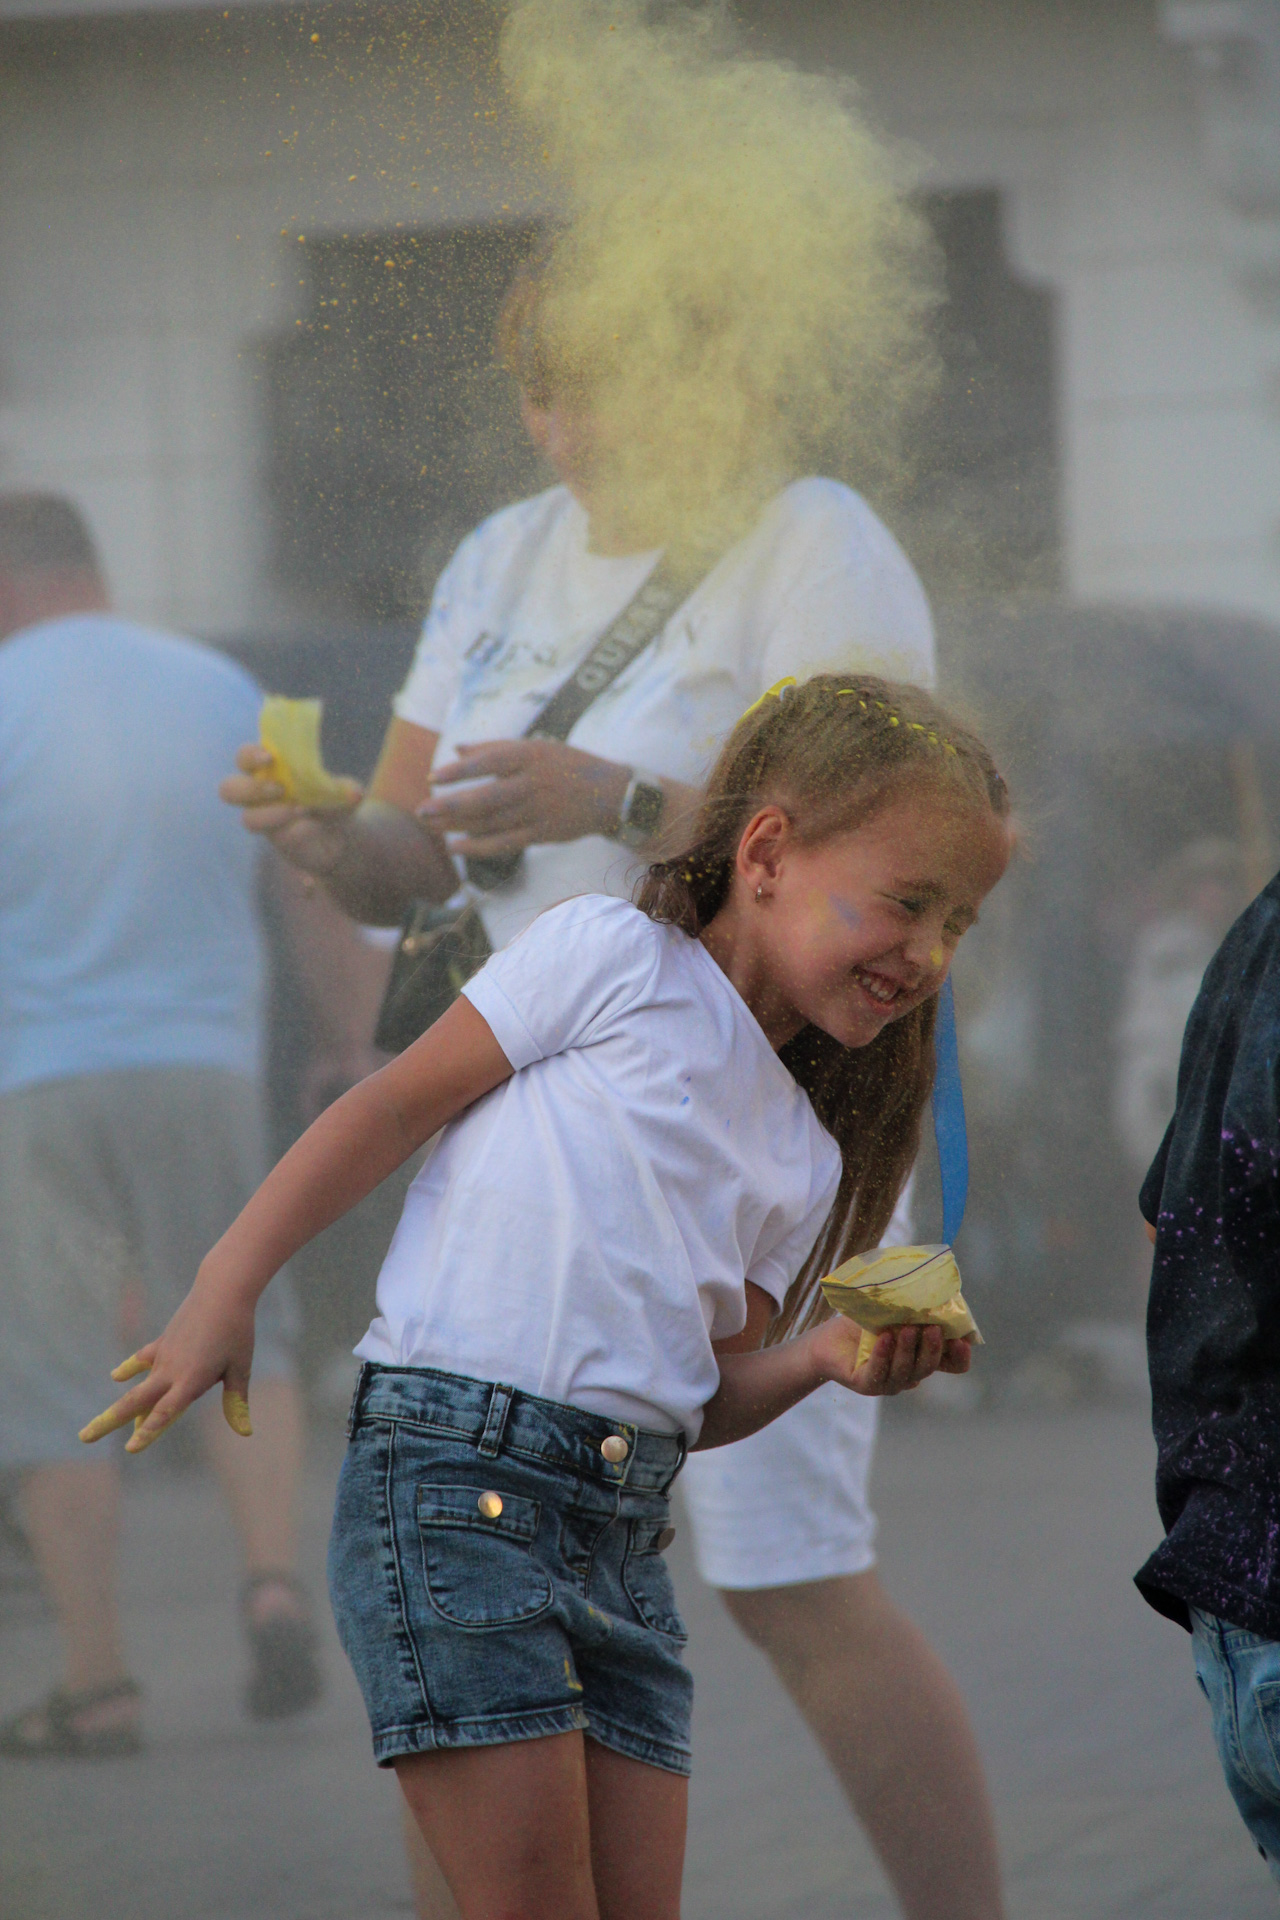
(479, 1567)
(647, 1581)
(1266, 1764)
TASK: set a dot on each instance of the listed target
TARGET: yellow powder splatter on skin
(739, 290)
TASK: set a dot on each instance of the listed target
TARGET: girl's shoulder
(602, 937)
(580, 972)
(592, 929)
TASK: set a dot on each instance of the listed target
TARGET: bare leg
(639, 1818)
(71, 1516)
(895, 1728)
(260, 1476)
(432, 1899)
(551, 1829)
(613, 1807)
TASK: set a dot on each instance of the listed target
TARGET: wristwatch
(640, 814)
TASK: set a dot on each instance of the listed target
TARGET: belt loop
(357, 1394)
(496, 1423)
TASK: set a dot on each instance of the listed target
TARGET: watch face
(645, 812)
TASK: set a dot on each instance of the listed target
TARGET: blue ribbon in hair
(948, 1117)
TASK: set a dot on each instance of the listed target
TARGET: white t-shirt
(819, 584)
(585, 1231)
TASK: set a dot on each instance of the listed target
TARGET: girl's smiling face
(854, 930)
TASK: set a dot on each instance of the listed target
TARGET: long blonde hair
(831, 752)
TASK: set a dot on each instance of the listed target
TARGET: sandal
(286, 1677)
(59, 1737)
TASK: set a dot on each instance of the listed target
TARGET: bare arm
(353, 1146)
(390, 848)
(757, 1384)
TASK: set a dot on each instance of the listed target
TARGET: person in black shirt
(1211, 1201)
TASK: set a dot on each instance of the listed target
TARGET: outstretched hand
(310, 840)
(206, 1341)
(901, 1359)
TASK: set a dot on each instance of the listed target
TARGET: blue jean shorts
(496, 1576)
(1239, 1673)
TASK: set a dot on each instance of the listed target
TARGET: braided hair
(831, 752)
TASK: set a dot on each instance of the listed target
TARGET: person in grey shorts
(131, 975)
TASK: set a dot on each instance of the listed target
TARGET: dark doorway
(390, 430)
(980, 513)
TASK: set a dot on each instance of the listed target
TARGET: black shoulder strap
(639, 623)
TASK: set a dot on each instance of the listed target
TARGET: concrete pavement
(1010, 1537)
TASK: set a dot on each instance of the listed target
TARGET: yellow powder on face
(739, 291)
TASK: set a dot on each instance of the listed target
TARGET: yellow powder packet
(901, 1287)
(290, 731)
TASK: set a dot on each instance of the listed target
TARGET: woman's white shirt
(584, 1231)
(819, 584)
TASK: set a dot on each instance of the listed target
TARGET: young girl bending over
(662, 1124)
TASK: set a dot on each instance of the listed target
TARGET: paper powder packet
(290, 731)
(901, 1287)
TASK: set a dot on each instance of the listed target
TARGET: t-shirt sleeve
(856, 606)
(775, 1265)
(431, 688)
(560, 983)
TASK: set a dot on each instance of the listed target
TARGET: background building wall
(158, 175)
(1083, 115)
(159, 169)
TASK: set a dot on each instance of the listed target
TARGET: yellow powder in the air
(739, 289)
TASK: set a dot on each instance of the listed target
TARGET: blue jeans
(1239, 1673)
(497, 1576)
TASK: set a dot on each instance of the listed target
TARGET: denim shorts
(1239, 1673)
(496, 1577)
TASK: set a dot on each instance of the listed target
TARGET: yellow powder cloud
(739, 282)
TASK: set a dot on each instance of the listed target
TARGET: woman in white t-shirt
(661, 1124)
(783, 1525)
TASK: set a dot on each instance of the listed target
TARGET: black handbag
(439, 950)
(441, 947)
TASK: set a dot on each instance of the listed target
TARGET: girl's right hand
(209, 1339)
(313, 842)
(901, 1359)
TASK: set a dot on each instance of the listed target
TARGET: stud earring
(760, 891)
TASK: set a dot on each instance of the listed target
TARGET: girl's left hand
(903, 1356)
(534, 791)
(208, 1340)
